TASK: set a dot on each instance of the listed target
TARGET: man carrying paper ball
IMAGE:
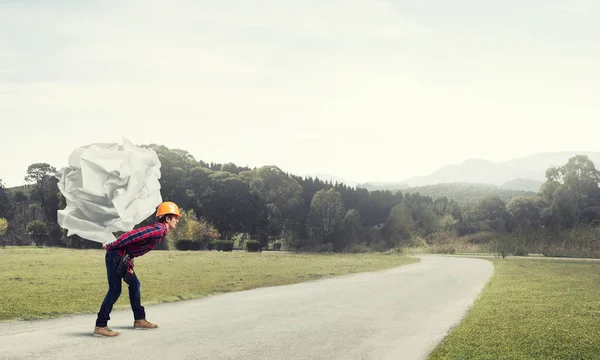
(134, 243)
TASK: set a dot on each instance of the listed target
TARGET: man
(134, 243)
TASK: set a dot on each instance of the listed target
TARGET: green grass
(531, 309)
(44, 282)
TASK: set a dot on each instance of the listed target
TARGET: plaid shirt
(137, 242)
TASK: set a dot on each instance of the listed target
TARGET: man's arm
(131, 237)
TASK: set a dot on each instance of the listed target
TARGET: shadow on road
(80, 334)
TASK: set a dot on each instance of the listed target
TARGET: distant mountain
(525, 173)
(376, 185)
(472, 171)
(522, 184)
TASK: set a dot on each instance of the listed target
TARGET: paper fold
(108, 188)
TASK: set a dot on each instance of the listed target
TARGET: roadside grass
(531, 309)
(37, 283)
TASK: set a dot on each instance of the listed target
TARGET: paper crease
(108, 187)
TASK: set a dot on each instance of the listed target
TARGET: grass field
(531, 309)
(48, 282)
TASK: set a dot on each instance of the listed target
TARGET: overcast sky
(364, 90)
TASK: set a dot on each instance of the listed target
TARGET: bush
(417, 241)
(240, 239)
(581, 241)
(321, 248)
(192, 229)
(188, 245)
(503, 245)
(444, 249)
(253, 246)
(483, 237)
(466, 227)
(398, 250)
(447, 242)
(221, 245)
(277, 246)
(357, 249)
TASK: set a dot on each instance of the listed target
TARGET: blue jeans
(114, 291)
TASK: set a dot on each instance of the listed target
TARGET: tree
(326, 216)
(352, 227)
(282, 195)
(422, 210)
(489, 208)
(230, 205)
(491, 211)
(200, 185)
(230, 167)
(525, 212)
(4, 202)
(563, 210)
(191, 233)
(573, 193)
(399, 226)
(579, 175)
(45, 190)
(376, 205)
(3, 229)
(38, 230)
(175, 168)
(38, 171)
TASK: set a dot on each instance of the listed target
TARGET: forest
(227, 206)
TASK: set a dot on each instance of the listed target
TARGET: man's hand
(104, 246)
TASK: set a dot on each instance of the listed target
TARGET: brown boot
(105, 331)
(143, 324)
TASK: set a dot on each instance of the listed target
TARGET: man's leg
(135, 298)
(114, 291)
(139, 313)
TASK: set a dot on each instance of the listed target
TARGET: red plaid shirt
(137, 242)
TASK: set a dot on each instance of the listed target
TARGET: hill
(525, 173)
(371, 186)
(522, 184)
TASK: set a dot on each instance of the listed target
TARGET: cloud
(578, 7)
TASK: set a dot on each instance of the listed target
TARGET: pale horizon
(367, 91)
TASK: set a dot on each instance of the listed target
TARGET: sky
(362, 90)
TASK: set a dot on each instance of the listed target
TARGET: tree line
(266, 207)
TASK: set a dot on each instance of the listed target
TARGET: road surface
(400, 313)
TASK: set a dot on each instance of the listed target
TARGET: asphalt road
(401, 313)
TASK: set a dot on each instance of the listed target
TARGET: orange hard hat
(167, 208)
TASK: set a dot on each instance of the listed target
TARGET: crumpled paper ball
(108, 188)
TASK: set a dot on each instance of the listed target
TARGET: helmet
(167, 208)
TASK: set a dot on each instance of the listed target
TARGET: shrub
(192, 228)
(483, 237)
(240, 239)
(253, 246)
(398, 250)
(188, 245)
(581, 241)
(444, 249)
(466, 227)
(359, 248)
(417, 241)
(321, 248)
(447, 242)
(222, 245)
(277, 246)
(503, 245)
